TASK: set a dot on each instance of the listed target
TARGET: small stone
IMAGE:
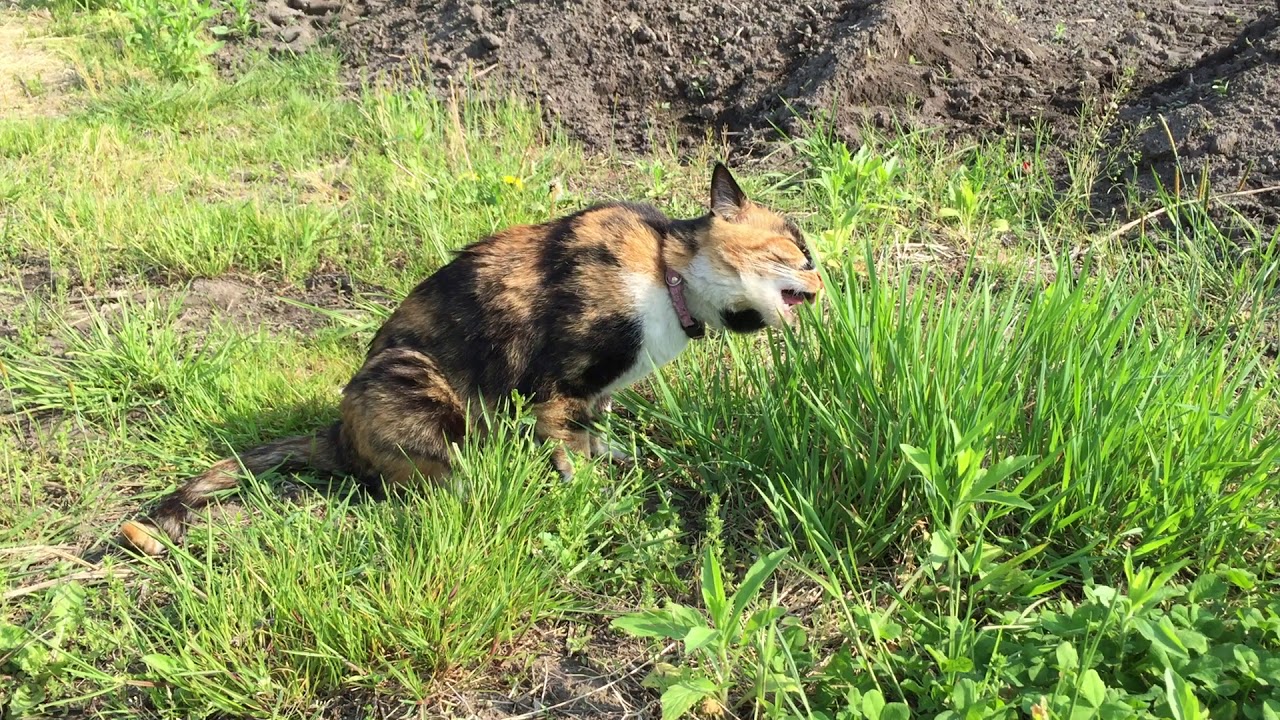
(478, 15)
(316, 7)
(684, 17)
(280, 17)
(1224, 143)
(290, 34)
(490, 41)
(644, 35)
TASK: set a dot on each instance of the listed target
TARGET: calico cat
(564, 313)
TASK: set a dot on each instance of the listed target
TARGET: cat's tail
(319, 452)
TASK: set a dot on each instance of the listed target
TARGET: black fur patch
(742, 321)
(686, 231)
(600, 255)
(617, 343)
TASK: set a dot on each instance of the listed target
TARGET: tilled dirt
(624, 73)
(1219, 114)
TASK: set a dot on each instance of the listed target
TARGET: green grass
(312, 601)
(1017, 463)
(1163, 427)
(272, 173)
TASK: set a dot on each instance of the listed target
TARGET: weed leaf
(672, 623)
(1092, 689)
(942, 546)
(11, 637)
(920, 459)
(1161, 634)
(999, 497)
(25, 697)
(1067, 657)
(1182, 701)
(756, 576)
(698, 637)
(164, 665)
(997, 473)
(713, 587)
(763, 617)
(873, 704)
(683, 695)
(896, 711)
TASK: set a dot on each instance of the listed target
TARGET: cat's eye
(808, 260)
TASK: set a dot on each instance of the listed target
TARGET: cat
(565, 313)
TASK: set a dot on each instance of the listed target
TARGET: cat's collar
(693, 327)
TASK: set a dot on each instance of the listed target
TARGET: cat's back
(512, 308)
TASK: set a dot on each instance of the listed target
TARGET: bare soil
(627, 73)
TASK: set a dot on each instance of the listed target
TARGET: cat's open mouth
(795, 297)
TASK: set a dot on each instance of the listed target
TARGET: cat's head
(752, 268)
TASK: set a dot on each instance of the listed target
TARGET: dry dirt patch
(33, 77)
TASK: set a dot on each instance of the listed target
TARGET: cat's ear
(727, 199)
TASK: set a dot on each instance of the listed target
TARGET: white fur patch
(711, 290)
(663, 338)
(714, 290)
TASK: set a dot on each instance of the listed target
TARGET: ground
(1020, 462)
(648, 72)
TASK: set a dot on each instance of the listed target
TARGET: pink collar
(675, 286)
